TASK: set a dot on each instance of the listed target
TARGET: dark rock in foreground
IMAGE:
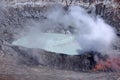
(36, 57)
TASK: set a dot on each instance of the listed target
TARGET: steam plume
(92, 34)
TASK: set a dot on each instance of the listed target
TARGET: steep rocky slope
(17, 14)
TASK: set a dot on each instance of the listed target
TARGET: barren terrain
(20, 63)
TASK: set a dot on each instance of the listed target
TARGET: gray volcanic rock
(24, 66)
(15, 16)
(36, 57)
(20, 63)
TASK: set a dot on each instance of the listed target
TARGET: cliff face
(17, 13)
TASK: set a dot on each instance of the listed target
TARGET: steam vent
(59, 39)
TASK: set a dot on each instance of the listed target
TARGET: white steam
(92, 34)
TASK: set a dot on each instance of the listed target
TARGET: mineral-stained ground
(19, 63)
